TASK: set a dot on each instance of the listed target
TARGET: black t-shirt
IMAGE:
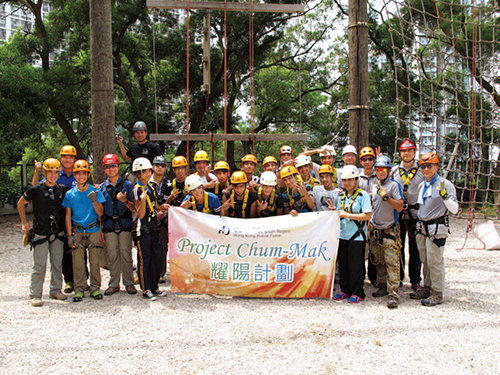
(238, 206)
(147, 150)
(47, 208)
(277, 203)
(218, 191)
(181, 187)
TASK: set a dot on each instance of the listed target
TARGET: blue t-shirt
(361, 204)
(82, 209)
(64, 179)
(122, 210)
(213, 203)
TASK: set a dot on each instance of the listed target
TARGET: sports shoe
(340, 296)
(111, 290)
(162, 280)
(392, 303)
(131, 289)
(59, 296)
(149, 295)
(68, 288)
(415, 286)
(97, 295)
(36, 302)
(77, 297)
(355, 299)
(381, 292)
(433, 300)
(421, 293)
(160, 293)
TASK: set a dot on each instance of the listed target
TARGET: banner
(280, 257)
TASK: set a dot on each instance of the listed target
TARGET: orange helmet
(179, 161)
(81, 165)
(68, 150)
(325, 168)
(269, 159)
(365, 151)
(239, 177)
(288, 171)
(221, 165)
(429, 158)
(51, 165)
(249, 157)
(286, 150)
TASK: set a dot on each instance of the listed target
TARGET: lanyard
(245, 201)
(206, 209)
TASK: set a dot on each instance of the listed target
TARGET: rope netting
(446, 60)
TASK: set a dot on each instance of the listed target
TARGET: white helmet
(192, 182)
(302, 160)
(268, 178)
(327, 150)
(349, 171)
(141, 164)
(349, 149)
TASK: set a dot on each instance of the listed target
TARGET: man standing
(408, 175)
(436, 196)
(143, 148)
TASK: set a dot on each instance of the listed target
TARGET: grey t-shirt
(320, 196)
(366, 182)
(384, 216)
(412, 190)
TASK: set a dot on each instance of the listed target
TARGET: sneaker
(162, 280)
(340, 296)
(355, 299)
(149, 295)
(381, 292)
(415, 286)
(160, 293)
(77, 297)
(36, 302)
(111, 290)
(59, 296)
(131, 289)
(392, 303)
(433, 300)
(421, 293)
(97, 295)
(68, 288)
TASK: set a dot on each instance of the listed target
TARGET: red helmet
(407, 144)
(110, 159)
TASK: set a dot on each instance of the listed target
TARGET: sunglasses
(111, 166)
(367, 159)
(160, 165)
(382, 169)
(426, 166)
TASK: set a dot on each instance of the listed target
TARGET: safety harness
(360, 224)
(244, 205)
(116, 216)
(442, 220)
(148, 200)
(407, 179)
(270, 205)
(206, 208)
(174, 186)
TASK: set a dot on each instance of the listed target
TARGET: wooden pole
(101, 75)
(358, 74)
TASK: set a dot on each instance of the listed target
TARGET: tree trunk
(102, 96)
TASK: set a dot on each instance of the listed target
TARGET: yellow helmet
(325, 168)
(221, 165)
(249, 157)
(239, 177)
(51, 165)
(288, 171)
(201, 155)
(179, 161)
(68, 150)
(81, 165)
(269, 159)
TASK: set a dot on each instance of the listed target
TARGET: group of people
(378, 206)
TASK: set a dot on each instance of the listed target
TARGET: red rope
(225, 77)
(252, 77)
(187, 85)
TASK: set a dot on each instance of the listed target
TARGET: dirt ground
(200, 334)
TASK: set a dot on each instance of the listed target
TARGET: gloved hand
(72, 241)
(442, 191)
(382, 192)
(93, 196)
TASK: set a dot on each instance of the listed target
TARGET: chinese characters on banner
(280, 257)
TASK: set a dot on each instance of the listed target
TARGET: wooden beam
(230, 6)
(230, 137)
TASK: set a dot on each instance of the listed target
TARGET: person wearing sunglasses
(436, 197)
(409, 176)
(117, 226)
(385, 245)
(48, 231)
